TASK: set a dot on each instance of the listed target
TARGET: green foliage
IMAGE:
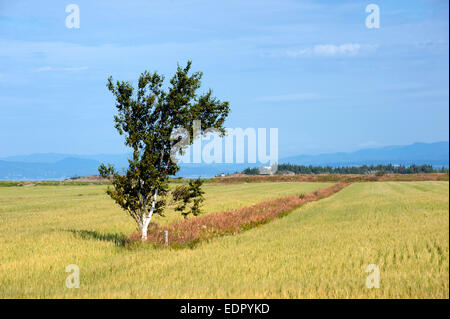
(9, 184)
(380, 173)
(251, 171)
(148, 117)
(379, 170)
(185, 195)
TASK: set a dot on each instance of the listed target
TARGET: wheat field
(320, 250)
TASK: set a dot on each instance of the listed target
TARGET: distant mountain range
(54, 166)
(64, 168)
(436, 154)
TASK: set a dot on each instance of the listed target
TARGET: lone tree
(149, 118)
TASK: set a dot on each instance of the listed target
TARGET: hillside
(436, 154)
(60, 166)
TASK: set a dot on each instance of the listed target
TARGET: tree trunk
(144, 230)
(146, 219)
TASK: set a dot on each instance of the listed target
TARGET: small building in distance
(287, 173)
(265, 170)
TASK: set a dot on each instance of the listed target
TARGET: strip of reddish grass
(191, 231)
(344, 178)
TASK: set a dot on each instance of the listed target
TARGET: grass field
(320, 250)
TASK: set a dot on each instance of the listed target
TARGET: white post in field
(166, 237)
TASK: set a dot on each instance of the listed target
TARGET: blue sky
(312, 69)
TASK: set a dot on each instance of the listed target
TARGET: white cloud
(74, 69)
(331, 50)
(49, 68)
(43, 69)
(369, 144)
(289, 97)
(427, 94)
(343, 49)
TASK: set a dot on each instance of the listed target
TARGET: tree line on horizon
(364, 169)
